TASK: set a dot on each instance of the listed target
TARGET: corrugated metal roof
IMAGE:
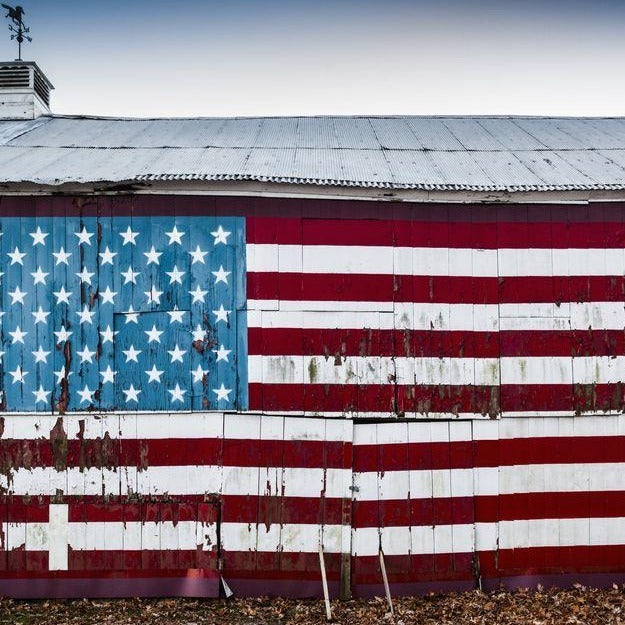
(429, 153)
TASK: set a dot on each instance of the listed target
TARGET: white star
(130, 275)
(199, 333)
(17, 295)
(86, 315)
(198, 295)
(16, 257)
(108, 296)
(154, 334)
(175, 315)
(198, 256)
(39, 276)
(176, 354)
(62, 335)
(175, 275)
(86, 355)
(86, 395)
(85, 276)
(175, 236)
(40, 316)
(18, 335)
(132, 394)
(108, 375)
(108, 335)
(39, 236)
(222, 392)
(221, 314)
(177, 394)
(62, 295)
(129, 236)
(153, 256)
(154, 374)
(84, 236)
(220, 236)
(198, 374)
(41, 355)
(41, 395)
(107, 256)
(222, 353)
(18, 375)
(153, 295)
(132, 316)
(221, 275)
(60, 375)
(61, 256)
(131, 354)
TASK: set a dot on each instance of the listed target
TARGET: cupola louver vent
(24, 91)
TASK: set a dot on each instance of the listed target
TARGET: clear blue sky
(244, 57)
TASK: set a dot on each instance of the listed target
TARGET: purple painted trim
(291, 588)
(113, 588)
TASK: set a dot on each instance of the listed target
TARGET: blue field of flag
(123, 313)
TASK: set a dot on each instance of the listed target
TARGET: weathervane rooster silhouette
(18, 29)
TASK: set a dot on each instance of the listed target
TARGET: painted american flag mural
(486, 341)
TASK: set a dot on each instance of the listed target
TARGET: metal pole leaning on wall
(387, 589)
(324, 580)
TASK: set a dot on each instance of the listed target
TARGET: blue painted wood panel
(94, 307)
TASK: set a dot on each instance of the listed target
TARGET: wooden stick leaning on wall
(387, 589)
(324, 580)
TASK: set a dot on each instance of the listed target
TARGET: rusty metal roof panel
(432, 153)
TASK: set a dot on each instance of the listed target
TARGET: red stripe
(330, 454)
(488, 453)
(533, 560)
(413, 567)
(413, 512)
(433, 343)
(503, 562)
(372, 288)
(354, 398)
(488, 509)
(442, 289)
(455, 234)
(262, 509)
(425, 399)
(107, 452)
(278, 565)
(134, 560)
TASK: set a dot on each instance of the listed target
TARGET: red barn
(230, 344)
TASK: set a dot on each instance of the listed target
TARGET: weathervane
(18, 28)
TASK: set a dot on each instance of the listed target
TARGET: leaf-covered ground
(579, 605)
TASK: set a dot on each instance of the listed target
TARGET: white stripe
(434, 261)
(463, 538)
(362, 370)
(327, 314)
(371, 259)
(58, 536)
(371, 370)
(417, 540)
(505, 480)
(178, 480)
(301, 537)
(561, 532)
